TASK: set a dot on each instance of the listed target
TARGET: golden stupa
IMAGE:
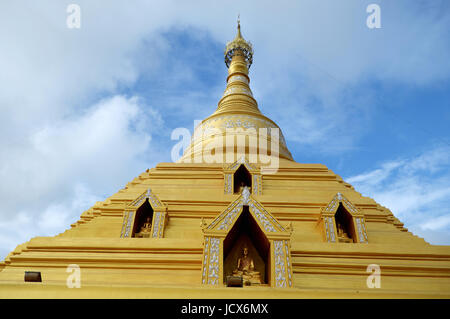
(232, 220)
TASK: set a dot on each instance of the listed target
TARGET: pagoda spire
(237, 109)
(239, 46)
(238, 58)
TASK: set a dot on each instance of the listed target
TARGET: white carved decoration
(239, 89)
(156, 224)
(288, 263)
(331, 228)
(280, 268)
(210, 126)
(228, 183)
(361, 230)
(235, 78)
(213, 271)
(126, 226)
(205, 259)
(148, 194)
(245, 195)
(262, 218)
(229, 218)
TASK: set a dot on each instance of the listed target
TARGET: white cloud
(54, 219)
(66, 167)
(437, 223)
(416, 190)
(308, 59)
(115, 128)
(376, 176)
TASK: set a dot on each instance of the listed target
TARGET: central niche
(246, 235)
(143, 221)
(242, 177)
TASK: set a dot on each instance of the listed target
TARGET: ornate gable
(225, 220)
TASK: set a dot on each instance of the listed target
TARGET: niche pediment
(266, 221)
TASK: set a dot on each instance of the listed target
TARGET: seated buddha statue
(246, 269)
(145, 229)
(241, 188)
(342, 234)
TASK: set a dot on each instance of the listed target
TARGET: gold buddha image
(145, 230)
(342, 234)
(246, 269)
(241, 188)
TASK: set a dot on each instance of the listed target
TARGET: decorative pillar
(128, 219)
(282, 264)
(212, 267)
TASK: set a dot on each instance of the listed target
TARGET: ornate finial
(239, 46)
(238, 35)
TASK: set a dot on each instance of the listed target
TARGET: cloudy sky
(83, 111)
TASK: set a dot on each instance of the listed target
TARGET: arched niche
(345, 228)
(241, 178)
(242, 171)
(143, 216)
(246, 233)
(342, 222)
(147, 205)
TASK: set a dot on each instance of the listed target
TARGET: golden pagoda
(234, 217)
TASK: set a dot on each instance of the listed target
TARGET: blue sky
(84, 111)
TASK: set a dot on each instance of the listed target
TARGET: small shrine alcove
(246, 234)
(242, 174)
(241, 178)
(144, 217)
(247, 243)
(342, 222)
(143, 221)
(344, 225)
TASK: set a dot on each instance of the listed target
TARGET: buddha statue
(342, 234)
(145, 229)
(246, 269)
(242, 186)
